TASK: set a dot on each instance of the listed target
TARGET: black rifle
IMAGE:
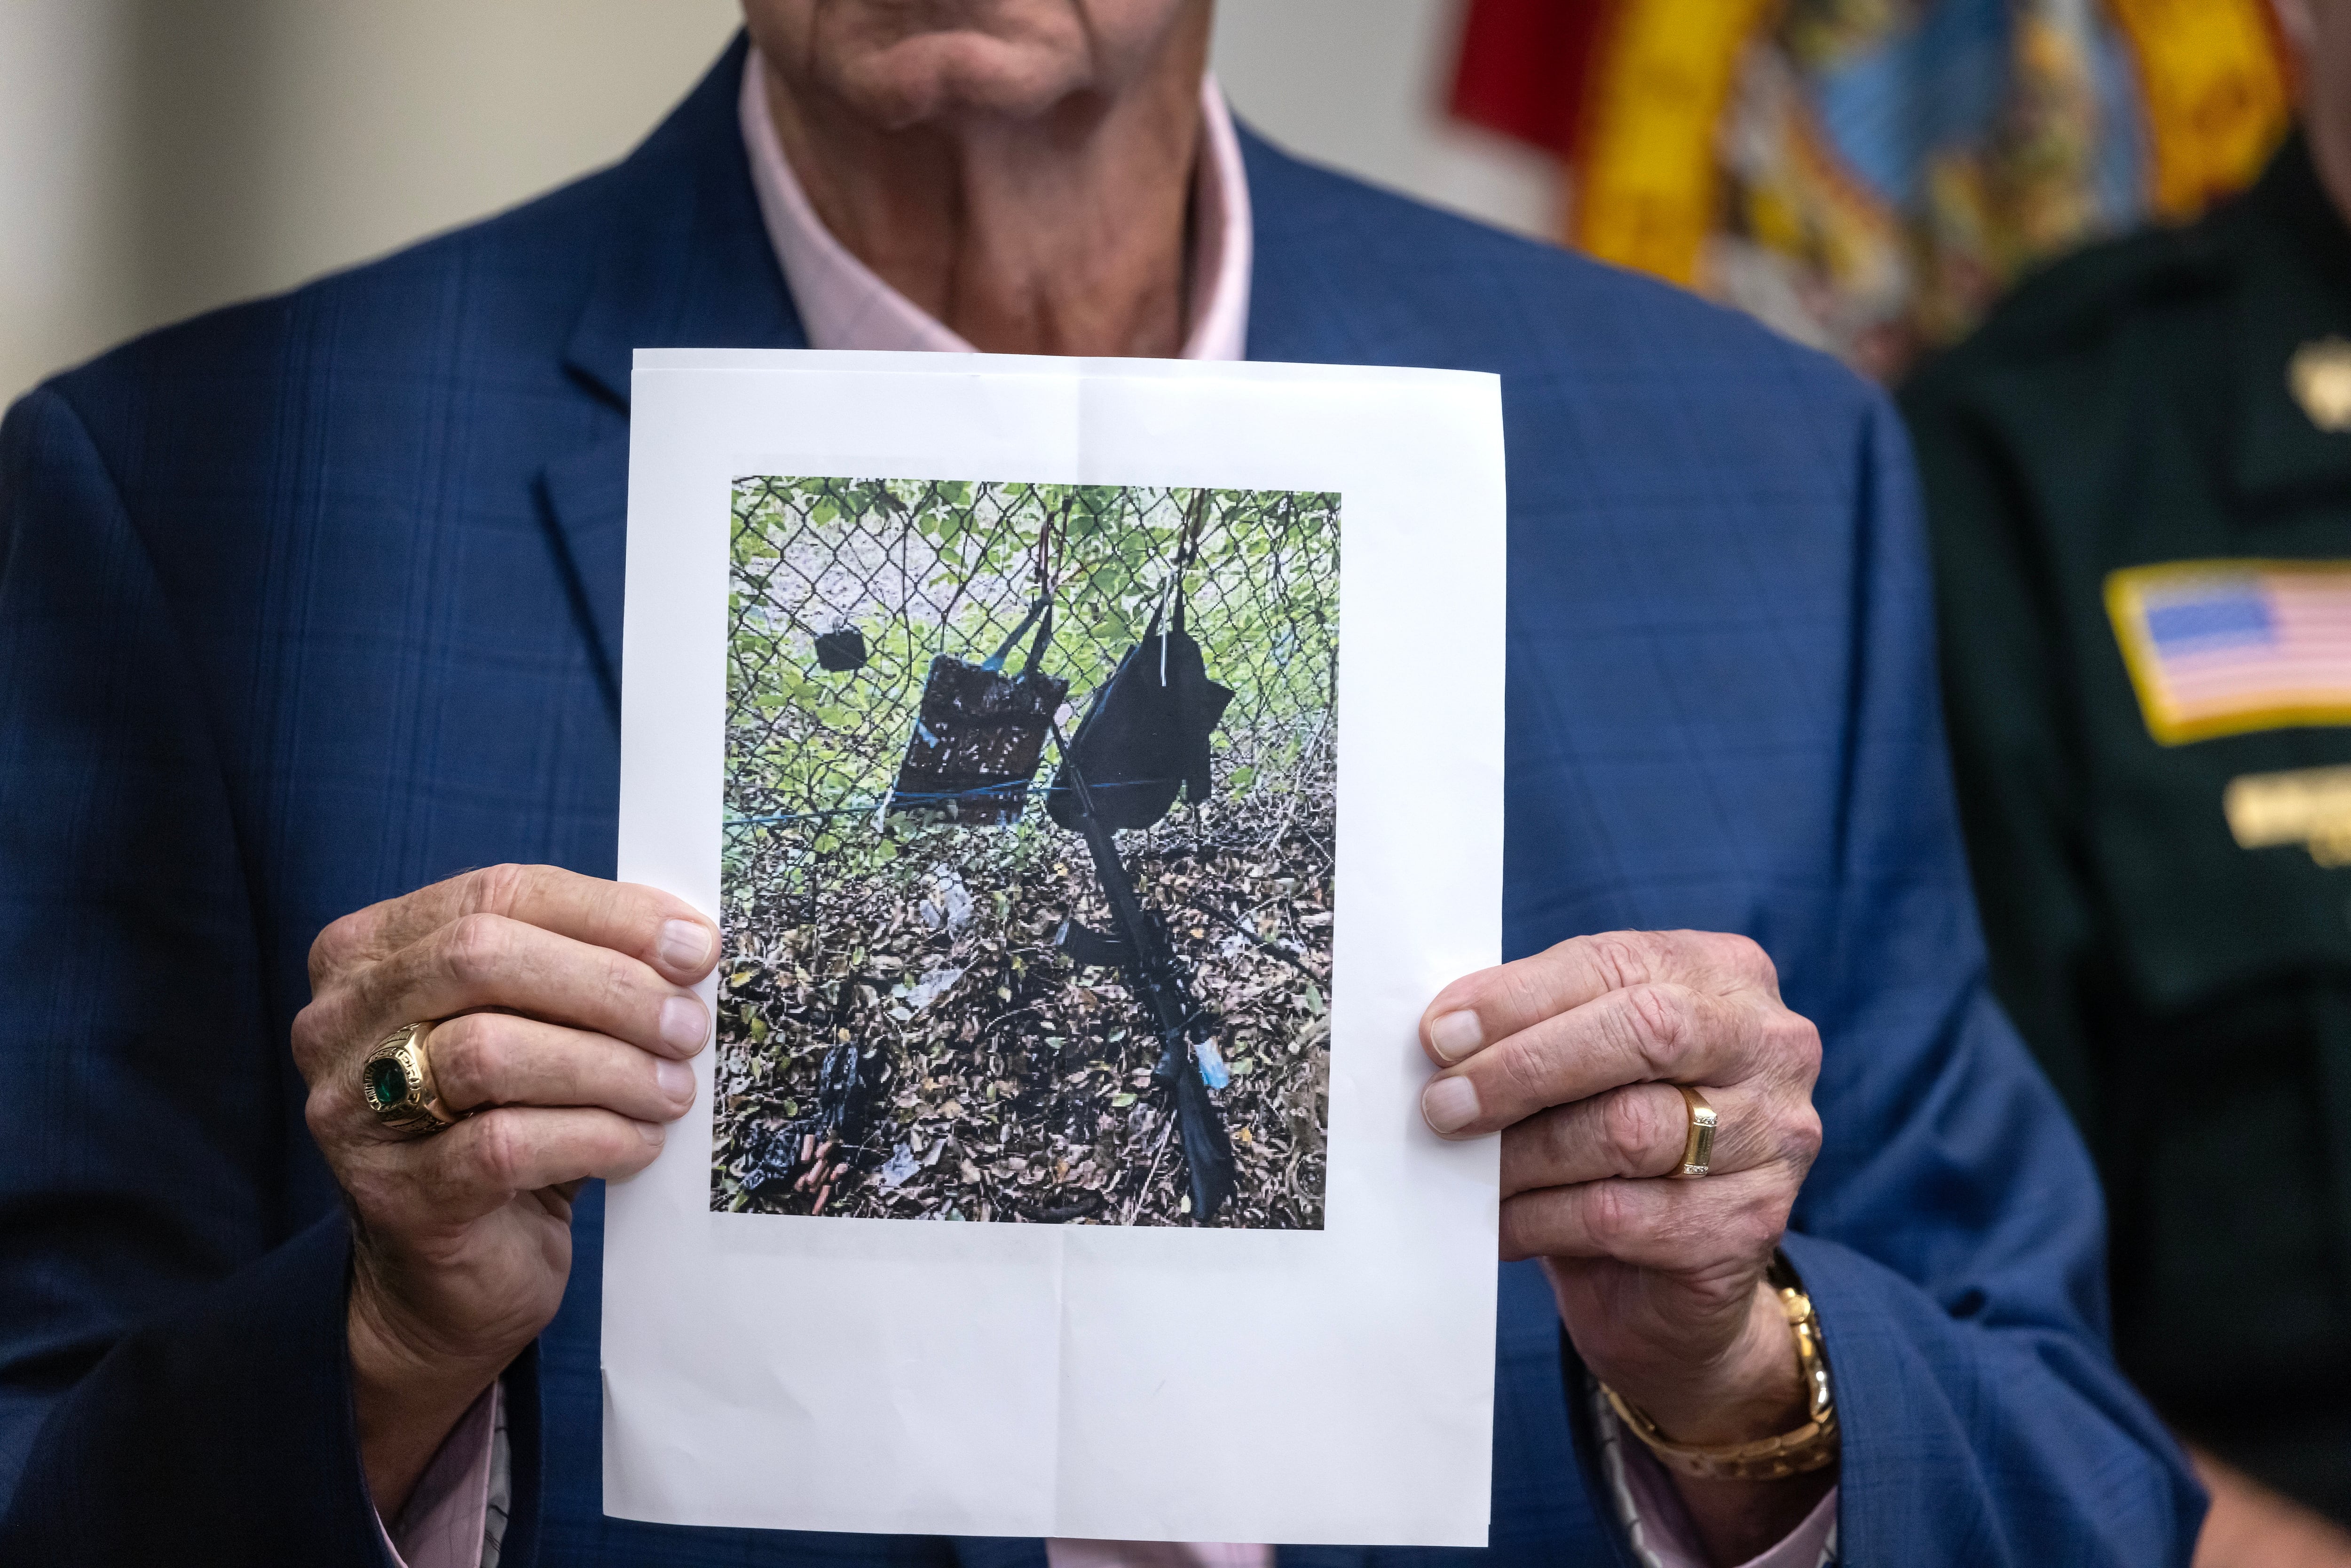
(1141, 952)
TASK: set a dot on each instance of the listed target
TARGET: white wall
(65, 256)
(392, 118)
(159, 157)
(1361, 85)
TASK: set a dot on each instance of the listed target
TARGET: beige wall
(164, 156)
(65, 251)
(1360, 83)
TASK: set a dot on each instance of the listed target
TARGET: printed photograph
(1028, 881)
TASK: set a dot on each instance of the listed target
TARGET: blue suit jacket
(313, 601)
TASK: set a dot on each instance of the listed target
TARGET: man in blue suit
(309, 604)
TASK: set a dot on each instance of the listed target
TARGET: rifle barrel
(1152, 971)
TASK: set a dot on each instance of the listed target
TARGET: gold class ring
(396, 1082)
(1698, 1148)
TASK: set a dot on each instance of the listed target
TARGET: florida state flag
(1869, 178)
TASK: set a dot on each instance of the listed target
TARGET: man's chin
(944, 77)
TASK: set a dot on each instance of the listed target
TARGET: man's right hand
(568, 1029)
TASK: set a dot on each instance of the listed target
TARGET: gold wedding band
(1698, 1148)
(396, 1082)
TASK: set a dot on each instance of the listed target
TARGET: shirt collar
(844, 304)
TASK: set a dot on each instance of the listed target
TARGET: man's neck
(1062, 235)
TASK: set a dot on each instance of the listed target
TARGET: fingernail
(1456, 1035)
(675, 1079)
(651, 1131)
(1449, 1104)
(684, 1023)
(683, 945)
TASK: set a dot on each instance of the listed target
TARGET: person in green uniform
(2138, 478)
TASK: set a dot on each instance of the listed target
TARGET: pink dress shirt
(457, 1515)
(843, 305)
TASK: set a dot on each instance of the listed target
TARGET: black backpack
(1145, 734)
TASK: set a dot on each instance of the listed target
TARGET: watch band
(1810, 1446)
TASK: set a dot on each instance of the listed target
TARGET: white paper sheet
(1167, 1382)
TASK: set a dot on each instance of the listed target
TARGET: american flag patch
(2220, 647)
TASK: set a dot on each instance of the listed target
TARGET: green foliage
(925, 570)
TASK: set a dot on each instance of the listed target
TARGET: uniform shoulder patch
(2226, 647)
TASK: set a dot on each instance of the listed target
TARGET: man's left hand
(1572, 1056)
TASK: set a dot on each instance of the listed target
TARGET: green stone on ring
(387, 1081)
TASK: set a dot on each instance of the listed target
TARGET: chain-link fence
(905, 1026)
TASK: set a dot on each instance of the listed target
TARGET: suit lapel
(1321, 287)
(686, 265)
(584, 498)
(1299, 312)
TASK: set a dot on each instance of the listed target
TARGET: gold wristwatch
(1810, 1446)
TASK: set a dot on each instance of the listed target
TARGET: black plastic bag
(847, 1089)
(1146, 735)
(840, 651)
(978, 742)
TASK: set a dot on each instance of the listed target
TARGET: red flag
(1523, 68)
